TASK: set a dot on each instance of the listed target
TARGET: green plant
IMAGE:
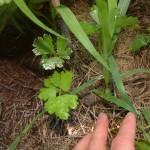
(27, 11)
(140, 41)
(51, 58)
(54, 93)
(106, 15)
(7, 12)
(10, 14)
(109, 18)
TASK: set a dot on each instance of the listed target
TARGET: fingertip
(99, 135)
(83, 143)
(102, 116)
(129, 120)
(130, 114)
(102, 122)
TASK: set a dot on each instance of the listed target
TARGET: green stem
(106, 78)
(14, 144)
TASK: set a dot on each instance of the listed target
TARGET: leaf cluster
(140, 41)
(56, 102)
(46, 47)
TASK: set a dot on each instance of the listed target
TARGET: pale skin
(97, 140)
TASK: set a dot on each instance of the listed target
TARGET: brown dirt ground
(19, 86)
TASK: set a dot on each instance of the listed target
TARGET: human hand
(97, 140)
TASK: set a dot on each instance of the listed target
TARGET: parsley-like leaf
(139, 42)
(89, 28)
(61, 44)
(46, 93)
(62, 80)
(62, 49)
(52, 63)
(64, 54)
(126, 21)
(55, 57)
(47, 82)
(60, 105)
(43, 45)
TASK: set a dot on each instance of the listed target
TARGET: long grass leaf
(142, 145)
(134, 71)
(85, 85)
(143, 130)
(24, 8)
(146, 114)
(104, 24)
(77, 30)
(112, 12)
(115, 100)
(14, 144)
(117, 79)
(123, 7)
(114, 40)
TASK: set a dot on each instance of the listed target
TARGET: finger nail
(101, 114)
(128, 114)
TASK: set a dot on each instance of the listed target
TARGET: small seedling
(54, 93)
(109, 18)
(141, 41)
(53, 57)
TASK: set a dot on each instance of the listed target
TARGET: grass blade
(104, 24)
(77, 30)
(114, 39)
(24, 8)
(85, 85)
(139, 70)
(115, 100)
(123, 7)
(119, 84)
(143, 130)
(146, 115)
(112, 11)
(15, 143)
(142, 145)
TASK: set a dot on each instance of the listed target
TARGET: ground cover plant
(109, 18)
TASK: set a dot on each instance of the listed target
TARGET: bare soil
(20, 83)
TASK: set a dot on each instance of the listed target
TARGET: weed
(109, 18)
(140, 41)
(60, 104)
(51, 58)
